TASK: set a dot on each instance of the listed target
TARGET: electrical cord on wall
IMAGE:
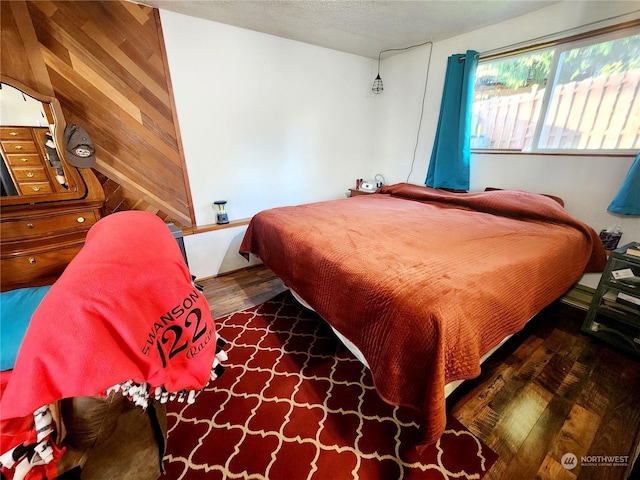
(424, 96)
(404, 48)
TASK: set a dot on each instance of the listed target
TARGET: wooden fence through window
(592, 114)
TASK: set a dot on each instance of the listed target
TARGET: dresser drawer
(36, 269)
(35, 188)
(30, 174)
(26, 160)
(15, 133)
(57, 224)
(19, 147)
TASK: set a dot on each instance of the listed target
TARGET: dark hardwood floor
(553, 391)
(548, 392)
(241, 289)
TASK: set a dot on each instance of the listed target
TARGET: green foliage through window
(515, 73)
(604, 58)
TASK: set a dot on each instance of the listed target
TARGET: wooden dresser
(38, 240)
(45, 215)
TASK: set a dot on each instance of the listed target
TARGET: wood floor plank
(533, 451)
(591, 352)
(550, 469)
(252, 286)
(575, 381)
(484, 422)
(594, 397)
(611, 438)
(576, 435)
(559, 341)
(619, 428)
(520, 381)
(524, 351)
(518, 419)
(478, 399)
(555, 371)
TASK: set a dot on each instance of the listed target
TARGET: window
(579, 96)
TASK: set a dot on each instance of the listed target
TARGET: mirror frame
(77, 187)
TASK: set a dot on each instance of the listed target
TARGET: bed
(424, 282)
(98, 353)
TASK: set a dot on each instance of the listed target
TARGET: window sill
(625, 153)
(215, 226)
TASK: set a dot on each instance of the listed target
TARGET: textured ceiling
(361, 27)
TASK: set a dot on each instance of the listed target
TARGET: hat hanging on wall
(79, 147)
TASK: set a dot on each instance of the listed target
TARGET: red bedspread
(424, 282)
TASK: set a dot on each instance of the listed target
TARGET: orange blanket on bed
(424, 282)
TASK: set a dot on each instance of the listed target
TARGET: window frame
(561, 45)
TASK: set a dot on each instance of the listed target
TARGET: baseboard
(229, 272)
(579, 296)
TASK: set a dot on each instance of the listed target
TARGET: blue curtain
(627, 201)
(449, 165)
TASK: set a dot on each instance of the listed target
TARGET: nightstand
(614, 313)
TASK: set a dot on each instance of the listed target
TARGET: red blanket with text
(124, 309)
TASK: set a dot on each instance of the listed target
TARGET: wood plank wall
(105, 62)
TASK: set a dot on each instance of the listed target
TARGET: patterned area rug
(294, 404)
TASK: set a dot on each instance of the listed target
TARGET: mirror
(33, 168)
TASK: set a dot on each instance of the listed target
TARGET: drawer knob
(36, 189)
(29, 225)
(80, 219)
(30, 174)
(13, 134)
(24, 160)
(19, 147)
(32, 260)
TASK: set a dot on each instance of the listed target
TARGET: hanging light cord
(424, 96)
(401, 49)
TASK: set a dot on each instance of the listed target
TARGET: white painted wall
(587, 184)
(215, 252)
(267, 122)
